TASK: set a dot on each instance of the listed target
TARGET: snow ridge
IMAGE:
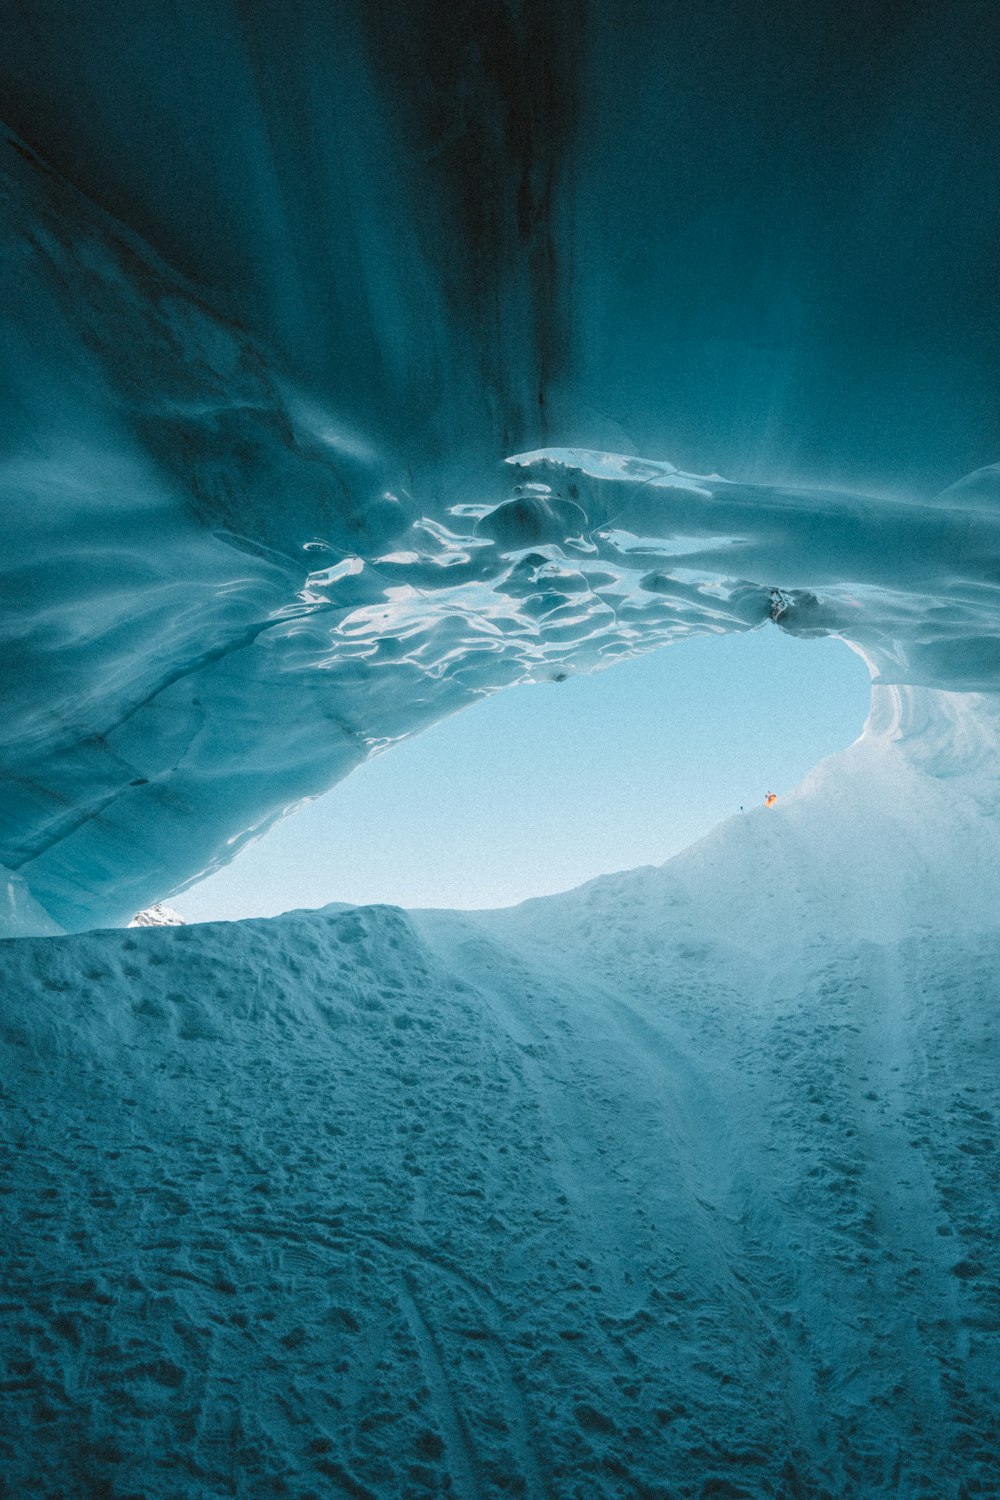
(680, 1185)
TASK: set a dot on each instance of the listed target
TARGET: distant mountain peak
(158, 915)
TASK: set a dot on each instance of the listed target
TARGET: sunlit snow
(686, 1178)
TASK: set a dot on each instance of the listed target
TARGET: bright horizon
(513, 797)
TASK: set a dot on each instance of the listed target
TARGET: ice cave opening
(361, 361)
(537, 789)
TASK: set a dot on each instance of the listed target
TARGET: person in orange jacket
(770, 799)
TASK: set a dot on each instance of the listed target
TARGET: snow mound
(683, 1184)
(896, 833)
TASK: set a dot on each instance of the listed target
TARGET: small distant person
(770, 799)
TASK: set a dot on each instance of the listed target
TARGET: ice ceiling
(332, 336)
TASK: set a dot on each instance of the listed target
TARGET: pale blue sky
(539, 788)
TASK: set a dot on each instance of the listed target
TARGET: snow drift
(683, 1184)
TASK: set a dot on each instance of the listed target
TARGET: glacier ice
(20, 913)
(681, 1184)
(358, 361)
(330, 340)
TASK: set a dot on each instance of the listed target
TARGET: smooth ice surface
(330, 339)
(679, 1185)
(20, 913)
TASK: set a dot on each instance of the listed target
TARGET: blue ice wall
(287, 285)
(753, 235)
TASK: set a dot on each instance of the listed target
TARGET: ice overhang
(315, 433)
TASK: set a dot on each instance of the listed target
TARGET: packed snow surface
(683, 1184)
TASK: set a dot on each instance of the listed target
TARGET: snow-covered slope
(681, 1185)
(896, 834)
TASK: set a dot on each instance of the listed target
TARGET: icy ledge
(592, 558)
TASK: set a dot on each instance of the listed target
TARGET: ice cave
(360, 361)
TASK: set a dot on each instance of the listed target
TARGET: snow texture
(330, 336)
(157, 916)
(683, 1184)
